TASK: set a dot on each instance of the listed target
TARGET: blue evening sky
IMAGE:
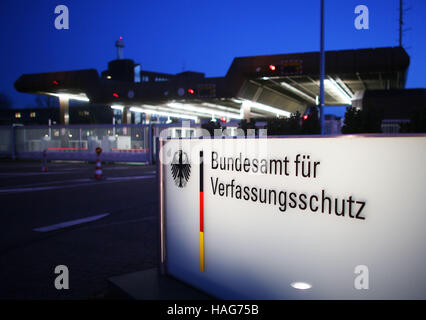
(203, 35)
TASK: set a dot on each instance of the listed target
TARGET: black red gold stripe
(201, 212)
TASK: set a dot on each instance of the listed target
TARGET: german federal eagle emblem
(181, 168)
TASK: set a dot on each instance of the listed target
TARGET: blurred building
(79, 114)
(254, 87)
(395, 107)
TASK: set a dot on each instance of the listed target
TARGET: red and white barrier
(98, 170)
(44, 167)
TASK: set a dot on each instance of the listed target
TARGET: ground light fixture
(301, 285)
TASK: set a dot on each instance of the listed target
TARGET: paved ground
(123, 241)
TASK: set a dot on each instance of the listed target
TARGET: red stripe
(115, 149)
(65, 149)
(201, 212)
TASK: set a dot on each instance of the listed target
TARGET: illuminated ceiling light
(109, 77)
(265, 78)
(218, 106)
(236, 100)
(136, 109)
(117, 107)
(162, 113)
(79, 97)
(203, 111)
(266, 108)
(301, 285)
(189, 110)
(343, 85)
(331, 85)
(232, 110)
(272, 67)
(168, 110)
(297, 92)
(171, 107)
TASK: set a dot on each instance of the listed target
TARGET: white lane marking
(127, 178)
(119, 222)
(19, 174)
(67, 224)
(60, 171)
(90, 182)
(17, 190)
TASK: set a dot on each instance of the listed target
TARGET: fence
(119, 143)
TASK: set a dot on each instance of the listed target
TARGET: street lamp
(322, 69)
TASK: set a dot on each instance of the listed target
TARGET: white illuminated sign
(296, 218)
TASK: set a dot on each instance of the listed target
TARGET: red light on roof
(115, 95)
(191, 91)
(305, 117)
(272, 67)
(55, 82)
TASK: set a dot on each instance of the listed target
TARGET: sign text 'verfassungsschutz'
(302, 166)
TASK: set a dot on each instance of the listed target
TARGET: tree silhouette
(245, 125)
(311, 125)
(362, 121)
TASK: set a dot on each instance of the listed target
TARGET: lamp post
(322, 70)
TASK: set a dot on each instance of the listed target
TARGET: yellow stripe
(202, 251)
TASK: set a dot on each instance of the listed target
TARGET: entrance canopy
(259, 86)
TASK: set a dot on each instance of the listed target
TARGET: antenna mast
(401, 21)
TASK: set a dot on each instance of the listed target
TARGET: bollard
(98, 170)
(44, 162)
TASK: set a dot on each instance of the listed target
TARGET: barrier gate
(120, 143)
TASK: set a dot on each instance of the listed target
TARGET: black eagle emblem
(181, 168)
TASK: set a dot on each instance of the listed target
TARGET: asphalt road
(34, 239)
